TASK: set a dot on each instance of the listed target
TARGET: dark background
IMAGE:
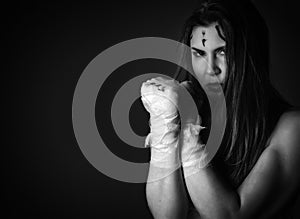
(49, 44)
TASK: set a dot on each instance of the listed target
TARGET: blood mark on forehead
(203, 40)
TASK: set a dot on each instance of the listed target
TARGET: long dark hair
(247, 88)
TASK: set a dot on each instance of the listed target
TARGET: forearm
(166, 193)
(211, 195)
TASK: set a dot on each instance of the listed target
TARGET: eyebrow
(201, 51)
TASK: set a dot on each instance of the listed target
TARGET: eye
(222, 52)
(198, 54)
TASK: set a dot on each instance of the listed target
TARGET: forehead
(212, 35)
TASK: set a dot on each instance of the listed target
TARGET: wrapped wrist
(193, 153)
(164, 163)
(166, 159)
(163, 140)
(163, 132)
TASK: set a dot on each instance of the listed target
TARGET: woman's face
(208, 54)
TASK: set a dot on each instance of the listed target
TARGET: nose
(212, 66)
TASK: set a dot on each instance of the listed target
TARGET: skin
(271, 183)
(203, 39)
(208, 57)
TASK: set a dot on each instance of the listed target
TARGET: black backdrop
(49, 45)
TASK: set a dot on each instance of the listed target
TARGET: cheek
(223, 67)
(198, 66)
(224, 63)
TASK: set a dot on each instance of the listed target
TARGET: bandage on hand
(193, 154)
(160, 99)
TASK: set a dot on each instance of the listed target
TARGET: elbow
(223, 215)
(233, 213)
(168, 212)
(164, 207)
(228, 211)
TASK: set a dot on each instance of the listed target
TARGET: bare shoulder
(276, 174)
(286, 141)
(286, 130)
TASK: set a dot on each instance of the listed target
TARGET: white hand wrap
(159, 97)
(193, 155)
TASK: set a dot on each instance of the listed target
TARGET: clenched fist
(160, 97)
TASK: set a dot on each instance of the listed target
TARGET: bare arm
(165, 190)
(272, 181)
(166, 197)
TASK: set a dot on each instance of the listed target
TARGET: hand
(193, 155)
(190, 102)
(160, 98)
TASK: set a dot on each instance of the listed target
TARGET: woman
(254, 174)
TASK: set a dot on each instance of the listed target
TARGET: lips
(214, 87)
